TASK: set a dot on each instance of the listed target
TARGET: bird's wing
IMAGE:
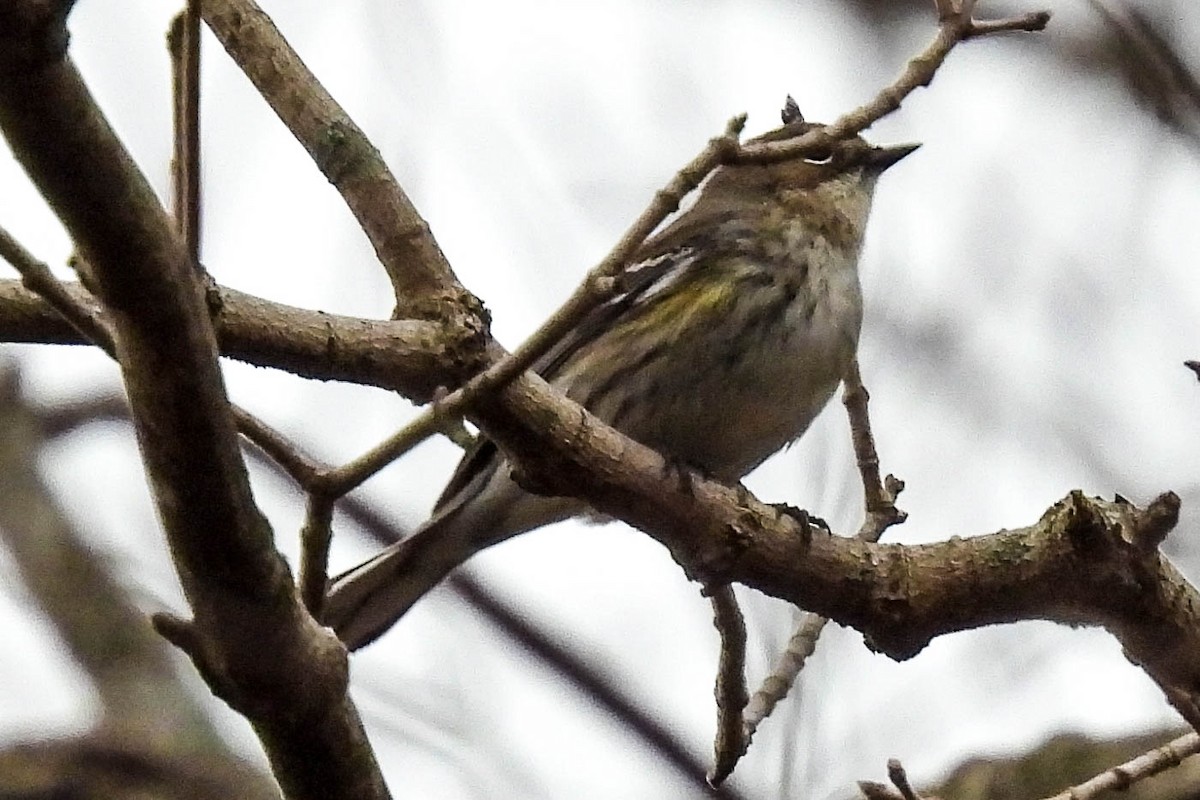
(657, 266)
(637, 280)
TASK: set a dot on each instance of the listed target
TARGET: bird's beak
(883, 157)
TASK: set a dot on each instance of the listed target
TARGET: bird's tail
(363, 603)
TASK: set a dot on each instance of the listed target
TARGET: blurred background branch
(1031, 294)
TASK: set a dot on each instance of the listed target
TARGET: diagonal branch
(238, 585)
(424, 285)
(955, 26)
(1123, 776)
(594, 289)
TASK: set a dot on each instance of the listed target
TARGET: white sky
(1031, 294)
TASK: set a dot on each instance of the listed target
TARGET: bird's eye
(820, 158)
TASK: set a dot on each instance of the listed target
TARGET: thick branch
(1082, 563)
(413, 357)
(238, 585)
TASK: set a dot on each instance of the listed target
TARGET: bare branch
(784, 672)
(955, 25)
(298, 465)
(507, 619)
(1144, 766)
(899, 779)
(731, 693)
(184, 44)
(87, 319)
(879, 496)
(424, 284)
(439, 414)
(80, 312)
(238, 585)
(413, 357)
(1032, 22)
(315, 538)
(595, 288)
(879, 500)
(1074, 565)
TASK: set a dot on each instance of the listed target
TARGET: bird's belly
(727, 406)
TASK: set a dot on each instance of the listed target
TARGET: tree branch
(424, 284)
(955, 25)
(1079, 564)
(413, 357)
(239, 587)
(1123, 776)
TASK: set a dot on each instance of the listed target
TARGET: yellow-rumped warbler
(732, 330)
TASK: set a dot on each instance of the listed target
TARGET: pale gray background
(1031, 294)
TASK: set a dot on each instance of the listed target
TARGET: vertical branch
(184, 44)
(879, 501)
(315, 538)
(731, 692)
(879, 495)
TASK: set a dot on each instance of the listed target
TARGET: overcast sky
(1031, 293)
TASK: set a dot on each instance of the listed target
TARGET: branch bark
(1086, 561)
(413, 357)
(424, 285)
(239, 587)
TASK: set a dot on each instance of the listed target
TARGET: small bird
(731, 330)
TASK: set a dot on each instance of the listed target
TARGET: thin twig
(955, 25)
(1125, 775)
(598, 285)
(879, 500)
(945, 8)
(899, 778)
(351, 475)
(90, 323)
(295, 463)
(953, 28)
(900, 789)
(595, 288)
(775, 687)
(315, 538)
(730, 742)
(1030, 23)
(879, 496)
(855, 398)
(184, 45)
(38, 278)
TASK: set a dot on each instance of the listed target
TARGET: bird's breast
(753, 356)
